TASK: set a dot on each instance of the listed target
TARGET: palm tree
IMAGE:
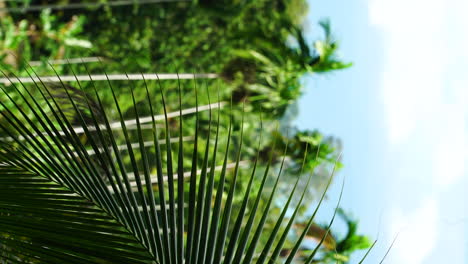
(61, 205)
(270, 74)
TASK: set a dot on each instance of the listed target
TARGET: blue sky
(402, 113)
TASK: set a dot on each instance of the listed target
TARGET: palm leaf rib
(161, 189)
(159, 245)
(213, 234)
(76, 187)
(209, 195)
(193, 186)
(367, 252)
(180, 185)
(389, 248)
(201, 196)
(170, 183)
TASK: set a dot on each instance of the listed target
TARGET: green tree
(270, 73)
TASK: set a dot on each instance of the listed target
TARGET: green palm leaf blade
(155, 220)
(236, 254)
(389, 248)
(180, 185)
(325, 236)
(214, 231)
(209, 193)
(271, 239)
(223, 229)
(201, 197)
(237, 226)
(367, 252)
(259, 230)
(193, 186)
(298, 243)
(149, 185)
(164, 251)
(170, 233)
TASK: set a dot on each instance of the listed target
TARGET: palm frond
(120, 197)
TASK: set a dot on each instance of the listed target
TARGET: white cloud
(413, 66)
(424, 92)
(417, 233)
(450, 147)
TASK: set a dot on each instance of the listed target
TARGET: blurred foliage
(44, 38)
(251, 52)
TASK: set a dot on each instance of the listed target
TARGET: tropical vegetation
(105, 150)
